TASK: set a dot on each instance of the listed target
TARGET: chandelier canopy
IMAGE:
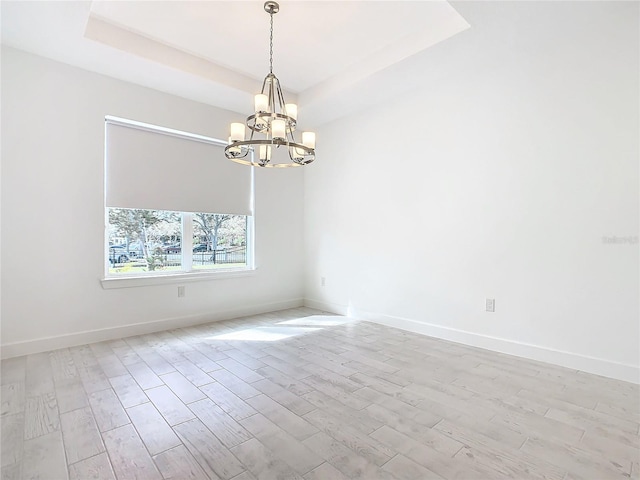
(272, 126)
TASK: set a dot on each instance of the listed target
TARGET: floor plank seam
(469, 411)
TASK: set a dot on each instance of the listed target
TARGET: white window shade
(160, 169)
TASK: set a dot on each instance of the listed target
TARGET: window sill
(172, 279)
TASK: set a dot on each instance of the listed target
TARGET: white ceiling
(218, 52)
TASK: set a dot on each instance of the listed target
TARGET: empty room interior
(320, 240)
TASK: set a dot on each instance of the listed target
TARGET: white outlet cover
(490, 304)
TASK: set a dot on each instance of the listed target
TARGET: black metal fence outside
(234, 255)
(220, 257)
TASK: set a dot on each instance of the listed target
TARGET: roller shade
(153, 168)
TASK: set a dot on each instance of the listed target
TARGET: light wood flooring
(299, 394)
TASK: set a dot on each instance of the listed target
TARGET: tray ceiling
(217, 52)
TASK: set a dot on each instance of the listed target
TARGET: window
(142, 241)
(158, 183)
(222, 241)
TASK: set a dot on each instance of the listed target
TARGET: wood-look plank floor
(299, 394)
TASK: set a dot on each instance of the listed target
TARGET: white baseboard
(90, 336)
(327, 307)
(598, 366)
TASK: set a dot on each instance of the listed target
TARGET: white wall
(521, 154)
(497, 177)
(53, 213)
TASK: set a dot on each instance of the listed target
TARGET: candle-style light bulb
(237, 132)
(265, 152)
(278, 129)
(309, 139)
(292, 110)
(261, 103)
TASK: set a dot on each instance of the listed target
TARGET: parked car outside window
(135, 250)
(118, 254)
(173, 248)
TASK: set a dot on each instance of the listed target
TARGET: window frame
(109, 281)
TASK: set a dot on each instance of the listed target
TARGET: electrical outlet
(322, 281)
(490, 304)
(180, 292)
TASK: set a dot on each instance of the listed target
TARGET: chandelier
(272, 126)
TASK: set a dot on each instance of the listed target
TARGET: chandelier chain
(271, 45)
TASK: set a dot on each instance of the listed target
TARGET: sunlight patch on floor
(264, 334)
(318, 320)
